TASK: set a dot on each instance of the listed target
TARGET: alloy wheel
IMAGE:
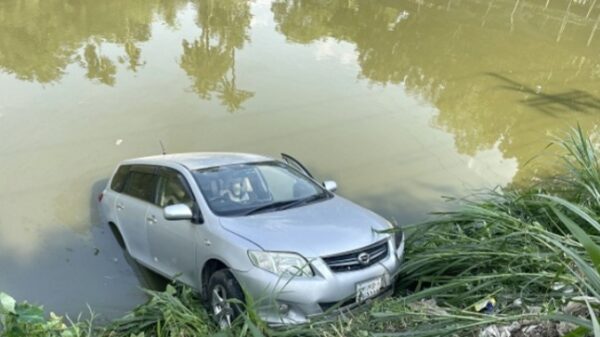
(221, 307)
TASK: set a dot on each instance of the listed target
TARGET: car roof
(199, 160)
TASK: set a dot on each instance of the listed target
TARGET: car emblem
(364, 258)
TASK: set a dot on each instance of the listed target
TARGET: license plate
(368, 289)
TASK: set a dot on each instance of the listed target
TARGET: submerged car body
(220, 222)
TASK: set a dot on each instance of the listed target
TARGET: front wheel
(223, 293)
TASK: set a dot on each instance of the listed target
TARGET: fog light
(284, 308)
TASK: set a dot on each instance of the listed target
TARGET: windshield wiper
(271, 206)
(304, 201)
(281, 205)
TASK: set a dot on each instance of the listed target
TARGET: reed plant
(529, 252)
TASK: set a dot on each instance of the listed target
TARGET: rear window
(141, 184)
(118, 181)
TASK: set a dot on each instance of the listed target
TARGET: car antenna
(162, 147)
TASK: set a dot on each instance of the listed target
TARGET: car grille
(349, 261)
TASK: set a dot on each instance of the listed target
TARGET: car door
(131, 207)
(173, 242)
(293, 162)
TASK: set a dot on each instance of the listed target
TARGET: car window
(281, 184)
(120, 177)
(237, 189)
(141, 183)
(173, 189)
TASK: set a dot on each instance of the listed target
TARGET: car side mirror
(330, 185)
(178, 212)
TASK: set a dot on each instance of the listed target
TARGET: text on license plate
(368, 289)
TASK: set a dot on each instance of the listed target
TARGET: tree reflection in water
(210, 59)
(40, 38)
(444, 55)
(98, 67)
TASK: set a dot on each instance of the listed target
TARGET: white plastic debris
(574, 308)
(495, 331)
(530, 329)
(119, 142)
(583, 299)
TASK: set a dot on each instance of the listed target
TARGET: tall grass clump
(581, 179)
(173, 313)
(524, 254)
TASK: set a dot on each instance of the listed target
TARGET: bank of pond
(517, 261)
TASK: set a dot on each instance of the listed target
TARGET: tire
(222, 289)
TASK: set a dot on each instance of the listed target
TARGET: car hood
(322, 228)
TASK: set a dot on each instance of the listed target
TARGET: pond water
(401, 102)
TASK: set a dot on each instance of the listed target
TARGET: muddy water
(401, 102)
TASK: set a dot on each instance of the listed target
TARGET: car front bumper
(284, 301)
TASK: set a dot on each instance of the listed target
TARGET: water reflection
(544, 60)
(40, 38)
(210, 59)
(552, 103)
(98, 67)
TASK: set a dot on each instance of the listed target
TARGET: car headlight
(282, 264)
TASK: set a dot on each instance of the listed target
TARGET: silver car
(223, 222)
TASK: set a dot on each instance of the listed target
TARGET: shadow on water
(553, 104)
(146, 277)
(403, 202)
(97, 188)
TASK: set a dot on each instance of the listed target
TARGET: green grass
(174, 312)
(533, 252)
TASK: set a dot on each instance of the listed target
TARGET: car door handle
(151, 219)
(120, 207)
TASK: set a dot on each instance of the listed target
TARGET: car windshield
(245, 189)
